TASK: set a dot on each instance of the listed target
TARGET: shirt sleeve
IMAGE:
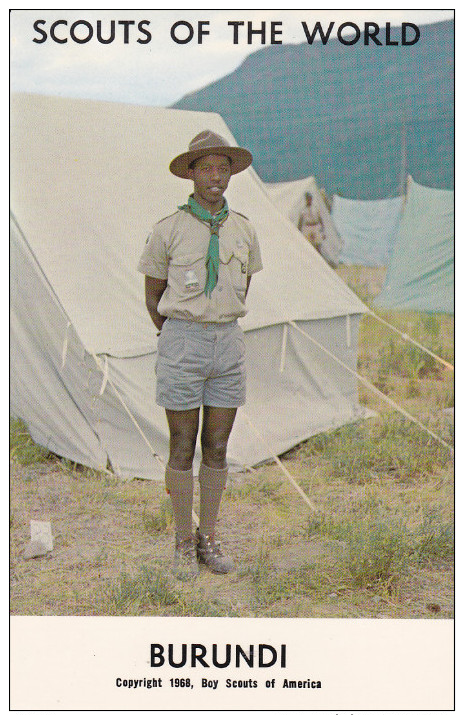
(154, 259)
(255, 263)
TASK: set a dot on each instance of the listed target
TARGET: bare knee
(181, 451)
(214, 451)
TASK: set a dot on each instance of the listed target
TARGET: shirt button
(220, 288)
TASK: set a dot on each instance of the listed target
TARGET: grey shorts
(200, 364)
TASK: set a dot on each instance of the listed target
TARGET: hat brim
(240, 159)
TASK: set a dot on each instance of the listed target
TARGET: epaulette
(158, 223)
(242, 215)
(165, 217)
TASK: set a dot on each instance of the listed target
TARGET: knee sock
(179, 485)
(212, 485)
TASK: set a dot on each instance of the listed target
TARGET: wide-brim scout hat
(208, 142)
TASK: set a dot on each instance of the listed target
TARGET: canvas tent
(289, 197)
(368, 229)
(89, 180)
(420, 275)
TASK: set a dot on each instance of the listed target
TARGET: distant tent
(368, 229)
(420, 275)
(289, 197)
(89, 179)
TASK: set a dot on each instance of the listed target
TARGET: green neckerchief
(215, 221)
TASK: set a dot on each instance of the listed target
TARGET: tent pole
(373, 388)
(64, 350)
(284, 347)
(348, 330)
(105, 377)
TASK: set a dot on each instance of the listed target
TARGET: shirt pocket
(187, 274)
(236, 260)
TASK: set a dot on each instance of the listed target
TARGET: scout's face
(210, 175)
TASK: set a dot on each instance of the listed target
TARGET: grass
(375, 552)
(390, 445)
(159, 520)
(380, 544)
(258, 489)
(22, 447)
(434, 539)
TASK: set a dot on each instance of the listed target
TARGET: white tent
(289, 197)
(89, 179)
(368, 229)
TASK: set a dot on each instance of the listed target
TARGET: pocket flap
(241, 252)
(225, 253)
(188, 259)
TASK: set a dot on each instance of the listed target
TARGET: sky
(162, 71)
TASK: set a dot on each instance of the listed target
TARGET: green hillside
(344, 113)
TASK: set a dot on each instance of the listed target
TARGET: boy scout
(198, 264)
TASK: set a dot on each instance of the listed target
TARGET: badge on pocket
(191, 280)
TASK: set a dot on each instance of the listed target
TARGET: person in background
(310, 223)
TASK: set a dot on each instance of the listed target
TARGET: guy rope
(373, 388)
(408, 338)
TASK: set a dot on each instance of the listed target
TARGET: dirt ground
(104, 540)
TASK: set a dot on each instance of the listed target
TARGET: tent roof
(89, 180)
(289, 195)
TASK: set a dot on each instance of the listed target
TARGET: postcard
(232, 373)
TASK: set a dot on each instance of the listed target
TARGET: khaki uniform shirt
(176, 251)
(310, 225)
